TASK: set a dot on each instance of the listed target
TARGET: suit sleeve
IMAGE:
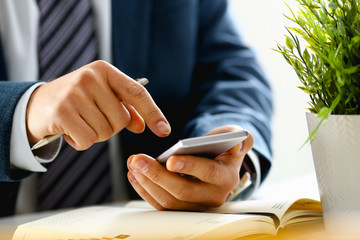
(230, 86)
(10, 93)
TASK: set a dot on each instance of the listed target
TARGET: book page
(139, 204)
(282, 212)
(277, 208)
(132, 223)
(306, 204)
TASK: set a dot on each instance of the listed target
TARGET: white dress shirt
(19, 21)
(19, 24)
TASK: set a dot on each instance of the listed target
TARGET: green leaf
(332, 6)
(297, 30)
(310, 5)
(289, 43)
(306, 56)
(328, 67)
(324, 112)
(334, 103)
(307, 90)
(350, 70)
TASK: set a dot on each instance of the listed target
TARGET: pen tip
(38, 145)
(142, 81)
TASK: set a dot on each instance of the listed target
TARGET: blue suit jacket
(201, 75)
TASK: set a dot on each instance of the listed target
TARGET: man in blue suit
(202, 77)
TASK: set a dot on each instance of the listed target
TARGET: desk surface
(305, 187)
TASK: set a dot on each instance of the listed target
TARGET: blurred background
(263, 25)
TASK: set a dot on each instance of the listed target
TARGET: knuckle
(100, 63)
(86, 76)
(125, 119)
(105, 133)
(183, 193)
(167, 203)
(83, 146)
(120, 119)
(89, 140)
(159, 207)
(154, 113)
(212, 173)
(217, 202)
(120, 126)
(156, 176)
(70, 97)
(135, 90)
(78, 148)
(87, 79)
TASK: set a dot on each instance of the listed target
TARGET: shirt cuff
(256, 175)
(21, 155)
(249, 180)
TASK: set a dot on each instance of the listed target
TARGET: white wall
(262, 23)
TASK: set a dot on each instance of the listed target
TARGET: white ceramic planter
(336, 155)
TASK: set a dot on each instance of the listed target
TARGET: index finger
(136, 95)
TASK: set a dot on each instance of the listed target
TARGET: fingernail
(130, 164)
(163, 127)
(141, 165)
(178, 166)
(131, 168)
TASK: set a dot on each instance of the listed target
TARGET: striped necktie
(67, 41)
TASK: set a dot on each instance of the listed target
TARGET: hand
(168, 188)
(90, 105)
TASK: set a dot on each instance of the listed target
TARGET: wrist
(250, 176)
(31, 118)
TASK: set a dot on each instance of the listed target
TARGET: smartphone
(208, 146)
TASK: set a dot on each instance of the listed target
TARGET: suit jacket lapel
(131, 20)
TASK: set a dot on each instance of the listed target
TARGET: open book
(230, 221)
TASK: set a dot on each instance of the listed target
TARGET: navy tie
(67, 41)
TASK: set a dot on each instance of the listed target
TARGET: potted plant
(323, 47)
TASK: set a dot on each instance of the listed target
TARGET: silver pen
(43, 142)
